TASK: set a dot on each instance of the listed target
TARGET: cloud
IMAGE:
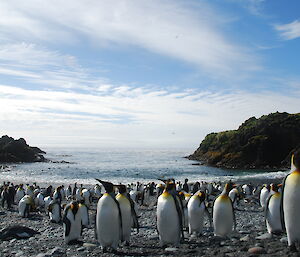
(289, 31)
(135, 117)
(172, 28)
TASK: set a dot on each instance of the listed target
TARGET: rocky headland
(264, 143)
(17, 150)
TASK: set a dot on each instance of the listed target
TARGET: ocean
(122, 166)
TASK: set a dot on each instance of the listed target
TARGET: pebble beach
(249, 239)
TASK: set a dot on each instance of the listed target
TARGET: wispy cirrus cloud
(289, 31)
(170, 28)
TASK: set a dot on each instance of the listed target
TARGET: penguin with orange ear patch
(169, 216)
(272, 211)
(291, 202)
(72, 223)
(223, 213)
(108, 219)
(127, 211)
(196, 209)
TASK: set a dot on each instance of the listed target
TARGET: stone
(56, 251)
(19, 254)
(245, 238)
(257, 250)
(284, 239)
(80, 249)
(264, 236)
(244, 232)
(171, 249)
(89, 245)
(43, 255)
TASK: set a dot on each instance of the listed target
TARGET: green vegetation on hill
(267, 142)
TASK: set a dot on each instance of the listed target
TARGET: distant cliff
(266, 142)
(13, 151)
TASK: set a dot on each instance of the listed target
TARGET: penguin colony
(179, 208)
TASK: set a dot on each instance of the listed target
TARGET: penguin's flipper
(95, 227)
(133, 213)
(267, 208)
(179, 212)
(120, 218)
(68, 224)
(281, 204)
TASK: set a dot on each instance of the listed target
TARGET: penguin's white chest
(55, 214)
(291, 207)
(168, 225)
(273, 220)
(264, 194)
(107, 222)
(75, 226)
(126, 216)
(223, 216)
(195, 215)
(19, 195)
(84, 213)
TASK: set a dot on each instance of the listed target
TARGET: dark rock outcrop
(267, 142)
(12, 151)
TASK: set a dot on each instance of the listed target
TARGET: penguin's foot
(293, 248)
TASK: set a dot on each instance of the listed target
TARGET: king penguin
(291, 202)
(84, 212)
(272, 211)
(54, 210)
(127, 211)
(264, 194)
(108, 219)
(25, 206)
(196, 209)
(223, 213)
(72, 223)
(19, 194)
(234, 196)
(169, 216)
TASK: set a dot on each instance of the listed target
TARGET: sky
(141, 73)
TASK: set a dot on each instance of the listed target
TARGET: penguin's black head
(274, 187)
(122, 189)
(74, 205)
(228, 186)
(109, 187)
(297, 159)
(202, 196)
(181, 195)
(170, 186)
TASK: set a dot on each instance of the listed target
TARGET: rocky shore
(17, 150)
(263, 143)
(249, 239)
